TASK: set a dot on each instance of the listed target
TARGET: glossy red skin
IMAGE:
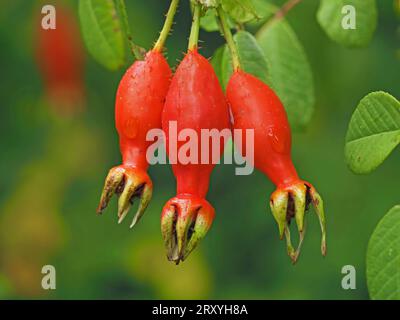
(60, 56)
(139, 104)
(255, 106)
(195, 100)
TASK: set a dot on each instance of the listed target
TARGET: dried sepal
(292, 201)
(128, 183)
(185, 221)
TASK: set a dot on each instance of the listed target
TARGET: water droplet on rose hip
(277, 144)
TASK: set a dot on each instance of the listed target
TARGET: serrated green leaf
(383, 258)
(102, 32)
(251, 57)
(374, 131)
(330, 17)
(240, 10)
(289, 70)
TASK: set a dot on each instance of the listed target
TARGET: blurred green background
(52, 170)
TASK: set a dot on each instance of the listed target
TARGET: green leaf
(251, 57)
(102, 32)
(330, 17)
(240, 10)
(264, 11)
(290, 71)
(383, 258)
(209, 3)
(216, 62)
(374, 131)
(209, 21)
(264, 8)
(210, 24)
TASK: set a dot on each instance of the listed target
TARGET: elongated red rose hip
(59, 54)
(195, 101)
(255, 106)
(139, 103)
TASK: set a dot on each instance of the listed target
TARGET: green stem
(229, 39)
(194, 33)
(167, 26)
(137, 51)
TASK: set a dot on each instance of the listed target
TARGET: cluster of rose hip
(149, 97)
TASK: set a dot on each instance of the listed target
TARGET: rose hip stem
(139, 102)
(256, 106)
